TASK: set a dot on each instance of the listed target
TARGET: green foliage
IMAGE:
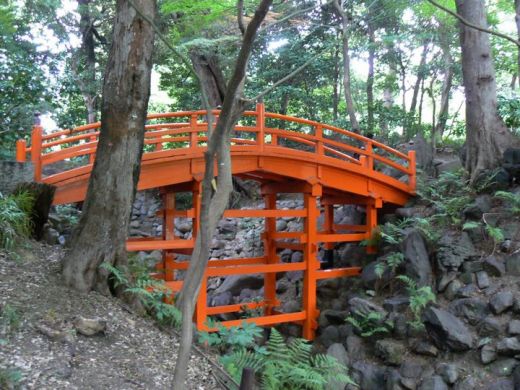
(391, 262)
(15, 221)
(151, 292)
(419, 298)
(232, 338)
(10, 378)
(470, 225)
(10, 319)
(289, 366)
(370, 324)
(509, 110)
(495, 233)
(512, 200)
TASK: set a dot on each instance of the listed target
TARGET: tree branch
(474, 26)
(240, 16)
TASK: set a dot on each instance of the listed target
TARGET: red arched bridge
(329, 166)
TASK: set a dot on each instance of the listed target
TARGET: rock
(445, 279)
(296, 257)
(516, 377)
(451, 290)
(329, 336)
(472, 309)
(503, 367)
(433, 383)
(482, 279)
(446, 330)
(397, 304)
(335, 317)
(184, 227)
(513, 264)
(514, 327)
(355, 346)
(235, 283)
(501, 301)
(291, 306)
(338, 351)
(448, 372)
(392, 352)
(454, 249)
(222, 299)
(416, 258)
(467, 291)
(494, 266)
(501, 384)
(50, 236)
(468, 383)
(488, 354)
(370, 277)
(281, 225)
(489, 327)
(90, 326)
(481, 205)
(472, 266)
(511, 162)
(393, 380)
(368, 376)
(363, 307)
(425, 348)
(509, 346)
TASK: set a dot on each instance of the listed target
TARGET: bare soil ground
(132, 354)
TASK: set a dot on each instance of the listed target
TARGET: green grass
(15, 221)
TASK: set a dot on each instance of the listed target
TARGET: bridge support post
(312, 264)
(270, 255)
(328, 227)
(168, 234)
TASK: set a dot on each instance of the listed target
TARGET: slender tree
(103, 227)
(517, 20)
(486, 134)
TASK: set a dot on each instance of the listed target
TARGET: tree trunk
(370, 76)
(346, 66)
(285, 103)
(446, 83)
(207, 66)
(517, 20)
(102, 231)
(486, 135)
(213, 203)
(87, 68)
(421, 73)
(335, 90)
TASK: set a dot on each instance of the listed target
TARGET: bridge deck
(327, 165)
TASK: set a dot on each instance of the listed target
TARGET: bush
(15, 219)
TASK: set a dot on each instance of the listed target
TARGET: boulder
(511, 162)
(90, 326)
(494, 266)
(483, 279)
(448, 372)
(509, 346)
(416, 258)
(338, 351)
(513, 264)
(454, 249)
(501, 301)
(368, 376)
(472, 309)
(425, 348)
(363, 307)
(489, 327)
(235, 283)
(481, 205)
(488, 354)
(514, 327)
(433, 383)
(446, 330)
(390, 351)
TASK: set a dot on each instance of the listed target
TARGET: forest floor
(39, 347)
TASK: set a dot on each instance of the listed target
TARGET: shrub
(370, 324)
(15, 221)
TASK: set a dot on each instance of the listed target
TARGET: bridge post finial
(36, 146)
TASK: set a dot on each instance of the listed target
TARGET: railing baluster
(21, 154)
(319, 140)
(412, 170)
(194, 133)
(260, 125)
(36, 151)
(92, 156)
(370, 156)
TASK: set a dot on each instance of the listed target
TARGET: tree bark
(517, 20)
(87, 67)
(207, 66)
(421, 73)
(335, 89)
(213, 203)
(486, 134)
(370, 76)
(102, 231)
(446, 83)
(346, 66)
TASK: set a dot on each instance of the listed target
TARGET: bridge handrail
(322, 140)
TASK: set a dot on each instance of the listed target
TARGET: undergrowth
(15, 219)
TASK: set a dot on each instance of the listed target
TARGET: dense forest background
(402, 63)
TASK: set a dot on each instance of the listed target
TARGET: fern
(470, 225)
(15, 218)
(370, 324)
(513, 200)
(419, 298)
(495, 233)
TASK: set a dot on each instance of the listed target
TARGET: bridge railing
(182, 133)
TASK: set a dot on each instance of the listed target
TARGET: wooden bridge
(327, 165)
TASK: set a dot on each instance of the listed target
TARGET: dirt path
(133, 353)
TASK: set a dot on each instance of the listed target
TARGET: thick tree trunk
(207, 66)
(370, 76)
(87, 64)
(285, 103)
(213, 203)
(517, 20)
(446, 83)
(486, 135)
(102, 231)
(346, 67)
